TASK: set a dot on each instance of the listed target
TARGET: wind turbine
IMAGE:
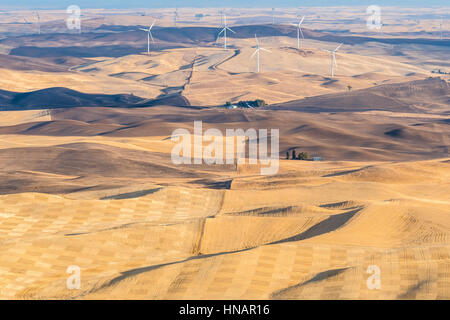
(149, 36)
(299, 31)
(333, 58)
(258, 49)
(27, 23)
(224, 31)
(39, 22)
(175, 17)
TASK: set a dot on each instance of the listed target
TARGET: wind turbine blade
(146, 30)
(301, 21)
(338, 47)
(256, 51)
(265, 50)
(152, 24)
(151, 36)
(257, 42)
(230, 30)
(218, 35)
(301, 32)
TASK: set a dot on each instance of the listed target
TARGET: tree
(293, 155)
(349, 88)
(303, 156)
(260, 103)
(252, 103)
(287, 155)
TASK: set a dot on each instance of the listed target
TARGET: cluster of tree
(248, 104)
(439, 71)
(300, 156)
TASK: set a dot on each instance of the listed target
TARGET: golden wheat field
(89, 182)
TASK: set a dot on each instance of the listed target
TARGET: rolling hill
(130, 40)
(56, 98)
(422, 96)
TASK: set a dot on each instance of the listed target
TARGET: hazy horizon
(109, 4)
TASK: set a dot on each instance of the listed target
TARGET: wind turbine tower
(257, 51)
(39, 22)
(149, 36)
(224, 31)
(333, 58)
